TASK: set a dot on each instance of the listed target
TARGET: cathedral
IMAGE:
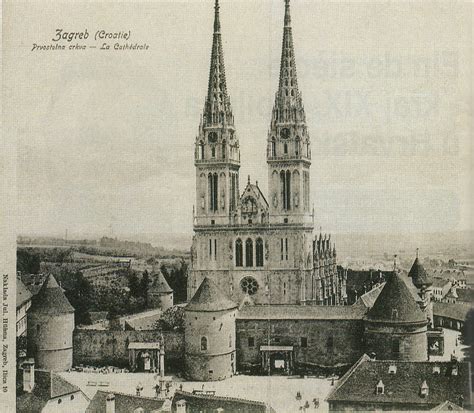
(253, 245)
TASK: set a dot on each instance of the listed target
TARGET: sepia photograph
(252, 206)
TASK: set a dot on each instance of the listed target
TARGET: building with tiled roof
(46, 391)
(447, 406)
(196, 403)
(50, 327)
(299, 312)
(115, 402)
(396, 327)
(23, 303)
(397, 385)
(451, 315)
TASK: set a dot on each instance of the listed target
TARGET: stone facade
(316, 343)
(210, 335)
(397, 342)
(106, 347)
(50, 340)
(50, 326)
(244, 242)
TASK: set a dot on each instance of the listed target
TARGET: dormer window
(436, 370)
(394, 314)
(392, 369)
(380, 388)
(454, 371)
(424, 390)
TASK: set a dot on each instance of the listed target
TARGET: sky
(105, 139)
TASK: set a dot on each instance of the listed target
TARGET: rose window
(249, 285)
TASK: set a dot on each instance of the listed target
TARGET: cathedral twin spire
(288, 95)
(217, 110)
(288, 103)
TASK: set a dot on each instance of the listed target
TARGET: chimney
(28, 375)
(110, 403)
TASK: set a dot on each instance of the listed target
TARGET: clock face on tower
(285, 133)
(212, 137)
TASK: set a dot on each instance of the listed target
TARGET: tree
(171, 320)
(27, 261)
(81, 297)
(133, 284)
(144, 284)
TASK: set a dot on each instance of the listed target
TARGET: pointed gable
(51, 299)
(253, 191)
(209, 297)
(419, 275)
(395, 304)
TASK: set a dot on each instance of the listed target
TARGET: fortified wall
(315, 337)
(108, 347)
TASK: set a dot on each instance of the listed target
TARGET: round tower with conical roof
(159, 294)
(423, 282)
(396, 327)
(50, 328)
(209, 334)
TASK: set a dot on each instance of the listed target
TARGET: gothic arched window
(285, 149)
(213, 152)
(223, 149)
(249, 253)
(213, 191)
(238, 253)
(297, 146)
(203, 343)
(259, 252)
(273, 147)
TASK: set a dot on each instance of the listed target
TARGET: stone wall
(106, 347)
(316, 343)
(397, 342)
(50, 340)
(217, 360)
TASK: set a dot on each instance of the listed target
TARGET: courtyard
(278, 391)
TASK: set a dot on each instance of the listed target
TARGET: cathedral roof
(419, 275)
(301, 312)
(51, 299)
(159, 283)
(395, 304)
(209, 297)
